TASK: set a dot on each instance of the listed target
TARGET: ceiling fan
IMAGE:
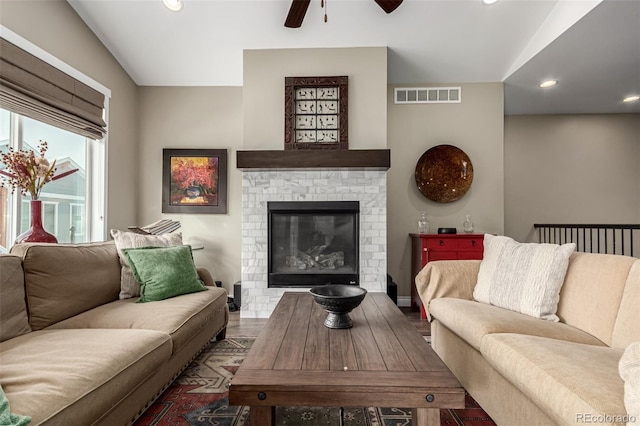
(299, 8)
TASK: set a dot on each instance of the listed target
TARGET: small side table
(426, 248)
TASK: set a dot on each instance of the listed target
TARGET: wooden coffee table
(382, 361)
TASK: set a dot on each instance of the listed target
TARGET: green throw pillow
(6, 417)
(163, 272)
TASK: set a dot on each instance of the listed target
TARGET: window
(56, 96)
(77, 223)
(66, 203)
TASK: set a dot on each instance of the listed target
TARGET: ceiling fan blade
(296, 13)
(389, 5)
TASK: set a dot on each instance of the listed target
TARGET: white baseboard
(404, 301)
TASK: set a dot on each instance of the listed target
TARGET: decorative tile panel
(369, 187)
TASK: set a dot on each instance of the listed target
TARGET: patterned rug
(199, 397)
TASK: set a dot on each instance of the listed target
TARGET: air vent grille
(428, 95)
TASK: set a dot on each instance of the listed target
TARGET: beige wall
(263, 84)
(248, 117)
(194, 117)
(214, 118)
(571, 169)
(476, 126)
(55, 27)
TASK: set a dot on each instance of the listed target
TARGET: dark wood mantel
(379, 159)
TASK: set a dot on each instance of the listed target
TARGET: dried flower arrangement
(28, 172)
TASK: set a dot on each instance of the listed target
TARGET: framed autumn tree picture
(194, 181)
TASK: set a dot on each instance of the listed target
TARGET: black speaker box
(237, 294)
(447, 230)
(392, 289)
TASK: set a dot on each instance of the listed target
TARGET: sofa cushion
(75, 376)
(522, 277)
(473, 320)
(62, 280)
(124, 240)
(592, 292)
(571, 382)
(181, 317)
(627, 326)
(13, 310)
(629, 368)
(163, 272)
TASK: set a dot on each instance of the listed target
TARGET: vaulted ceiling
(591, 47)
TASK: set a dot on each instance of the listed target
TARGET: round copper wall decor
(444, 173)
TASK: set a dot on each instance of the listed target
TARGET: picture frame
(194, 181)
(316, 113)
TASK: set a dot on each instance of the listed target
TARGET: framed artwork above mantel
(316, 113)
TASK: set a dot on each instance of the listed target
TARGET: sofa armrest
(447, 278)
(206, 277)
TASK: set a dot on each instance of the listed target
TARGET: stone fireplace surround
(368, 185)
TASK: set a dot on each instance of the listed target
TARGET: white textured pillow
(522, 277)
(629, 368)
(129, 287)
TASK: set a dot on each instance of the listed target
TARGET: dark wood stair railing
(590, 238)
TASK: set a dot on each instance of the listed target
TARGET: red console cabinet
(426, 248)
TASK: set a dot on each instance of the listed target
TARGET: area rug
(199, 397)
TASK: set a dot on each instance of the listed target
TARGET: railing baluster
(615, 239)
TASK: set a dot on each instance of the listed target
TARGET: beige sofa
(72, 353)
(528, 371)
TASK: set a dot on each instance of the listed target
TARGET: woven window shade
(33, 88)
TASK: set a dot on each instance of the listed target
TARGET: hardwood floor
(422, 325)
(244, 327)
(251, 327)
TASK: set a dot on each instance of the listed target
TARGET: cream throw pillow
(629, 368)
(129, 287)
(522, 277)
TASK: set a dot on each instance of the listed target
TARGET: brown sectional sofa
(524, 370)
(72, 353)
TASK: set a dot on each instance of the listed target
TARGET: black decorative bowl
(338, 300)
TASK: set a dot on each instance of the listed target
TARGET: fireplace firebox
(313, 243)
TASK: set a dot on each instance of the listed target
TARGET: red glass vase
(36, 233)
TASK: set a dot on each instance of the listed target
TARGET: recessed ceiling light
(174, 5)
(489, 1)
(548, 83)
(629, 99)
